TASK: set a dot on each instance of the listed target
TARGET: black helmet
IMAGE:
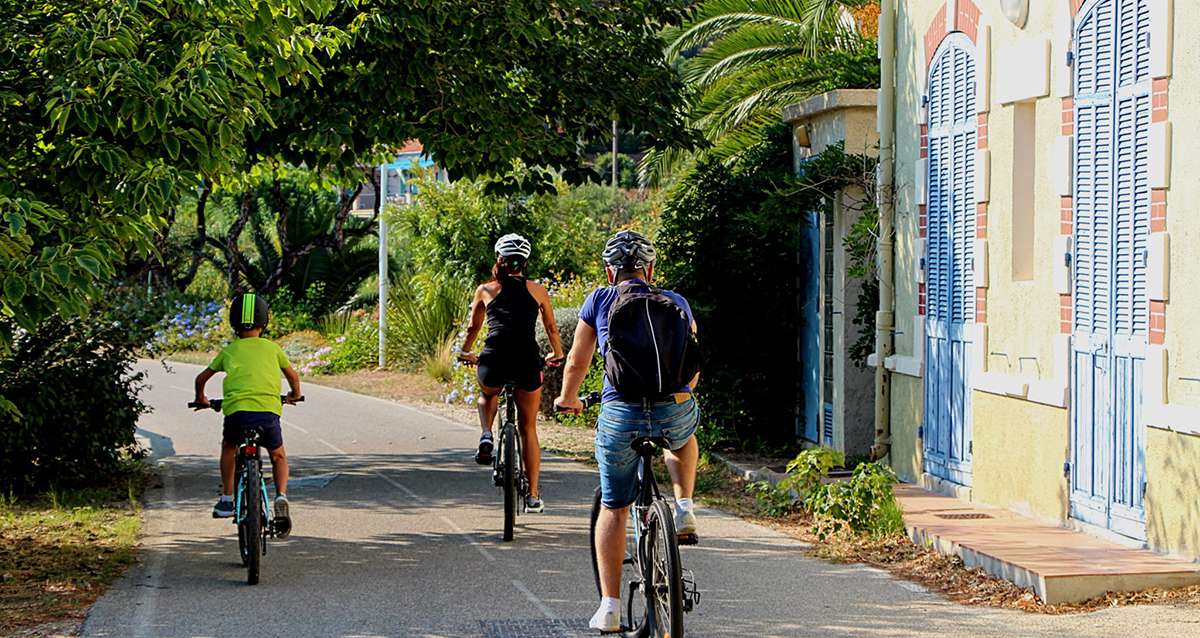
(629, 250)
(247, 311)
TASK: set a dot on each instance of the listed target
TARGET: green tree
(110, 108)
(744, 60)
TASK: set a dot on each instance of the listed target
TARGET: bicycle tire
(595, 516)
(664, 573)
(253, 521)
(510, 481)
(241, 524)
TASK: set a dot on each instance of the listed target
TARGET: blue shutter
(950, 244)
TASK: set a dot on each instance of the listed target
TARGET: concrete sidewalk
(1059, 564)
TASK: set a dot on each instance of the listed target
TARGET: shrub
(306, 350)
(863, 504)
(567, 319)
(422, 316)
(291, 313)
(728, 243)
(439, 364)
(356, 349)
(200, 326)
(76, 391)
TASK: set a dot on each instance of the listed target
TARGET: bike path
(397, 533)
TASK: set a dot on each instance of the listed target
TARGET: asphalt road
(397, 534)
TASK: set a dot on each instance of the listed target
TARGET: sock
(684, 504)
(610, 604)
(226, 498)
(281, 495)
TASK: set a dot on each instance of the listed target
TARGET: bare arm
(578, 362)
(293, 379)
(201, 381)
(546, 307)
(478, 311)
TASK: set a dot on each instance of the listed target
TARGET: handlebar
(588, 401)
(215, 404)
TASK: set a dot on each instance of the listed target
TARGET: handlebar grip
(591, 399)
(283, 398)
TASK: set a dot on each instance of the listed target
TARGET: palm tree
(746, 59)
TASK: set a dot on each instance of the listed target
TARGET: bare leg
(610, 549)
(531, 450)
(279, 466)
(488, 402)
(681, 464)
(228, 456)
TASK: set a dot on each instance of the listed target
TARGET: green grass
(61, 549)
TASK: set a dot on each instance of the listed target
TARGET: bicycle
(252, 509)
(508, 465)
(667, 590)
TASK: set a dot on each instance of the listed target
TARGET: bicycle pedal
(689, 539)
(281, 528)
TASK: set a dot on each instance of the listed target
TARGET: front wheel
(251, 528)
(663, 573)
(509, 480)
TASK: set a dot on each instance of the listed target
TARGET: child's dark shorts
(267, 423)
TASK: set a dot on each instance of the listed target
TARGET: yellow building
(1042, 356)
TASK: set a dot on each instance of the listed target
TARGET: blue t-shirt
(594, 313)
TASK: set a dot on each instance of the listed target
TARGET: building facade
(836, 410)
(1043, 357)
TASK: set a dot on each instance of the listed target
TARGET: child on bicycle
(251, 365)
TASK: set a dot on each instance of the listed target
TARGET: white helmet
(513, 245)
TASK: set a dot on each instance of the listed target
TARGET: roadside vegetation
(60, 549)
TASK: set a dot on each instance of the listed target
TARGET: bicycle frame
(239, 488)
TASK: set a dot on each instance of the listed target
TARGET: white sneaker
(685, 522)
(605, 620)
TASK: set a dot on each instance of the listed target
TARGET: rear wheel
(252, 521)
(509, 480)
(664, 589)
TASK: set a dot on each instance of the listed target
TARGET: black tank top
(512, 316)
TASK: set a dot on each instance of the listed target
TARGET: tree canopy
(111, 109)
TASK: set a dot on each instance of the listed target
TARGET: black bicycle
(252, 509)
(508, 465)
(660, 591)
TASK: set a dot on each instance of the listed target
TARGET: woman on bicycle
(511, 305)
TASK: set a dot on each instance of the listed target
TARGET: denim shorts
(619, 424)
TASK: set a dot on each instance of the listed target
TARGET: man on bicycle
(629, 262)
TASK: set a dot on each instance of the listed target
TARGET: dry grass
(60, 551)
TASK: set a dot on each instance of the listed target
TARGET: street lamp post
(383, 265)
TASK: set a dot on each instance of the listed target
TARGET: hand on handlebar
(201, 403)
(576, 405)
(469, 358)
(555, 361)
(563, 405)
(292, 398)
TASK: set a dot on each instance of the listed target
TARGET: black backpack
(652, 350)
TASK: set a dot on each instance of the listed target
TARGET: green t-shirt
(251, 368)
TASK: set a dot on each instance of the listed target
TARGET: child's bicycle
(252, 506)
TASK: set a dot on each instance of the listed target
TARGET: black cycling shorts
(497, 368)
(267, 423)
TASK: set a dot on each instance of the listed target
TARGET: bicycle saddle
(649, 445)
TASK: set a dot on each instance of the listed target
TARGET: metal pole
(383, 265)
(615, 165)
